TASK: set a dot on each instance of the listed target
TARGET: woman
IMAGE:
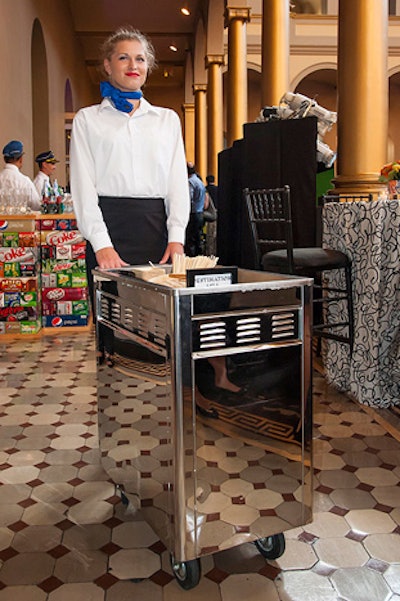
(128, 167)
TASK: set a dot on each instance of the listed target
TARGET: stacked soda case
(20, 307)
(63, 268)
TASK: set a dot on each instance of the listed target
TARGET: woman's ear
(107, 67)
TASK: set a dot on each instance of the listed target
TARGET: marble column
(214, 111)
(362, 95)
(236, 102)
(275, 51)
(200, 128)
(188, 130)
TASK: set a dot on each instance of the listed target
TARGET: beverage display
(43, 281)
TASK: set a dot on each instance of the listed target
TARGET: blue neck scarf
(107, 90)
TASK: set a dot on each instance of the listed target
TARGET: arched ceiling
(161, 20)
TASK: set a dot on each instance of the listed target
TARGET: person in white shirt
(11, 178)
(47, 165)
(128, 167)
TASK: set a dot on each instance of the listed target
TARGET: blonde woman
(128, 168)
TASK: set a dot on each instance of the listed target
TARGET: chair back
(270, 219)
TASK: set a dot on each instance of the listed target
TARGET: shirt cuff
(176, 234)
(101, 241)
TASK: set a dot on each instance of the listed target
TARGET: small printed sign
(215, 277)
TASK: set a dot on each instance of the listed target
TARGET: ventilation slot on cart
(248, 330)
(283, 325)
(135, 319)
(128, 319)
(213, 335)
(115, 310)
(151, 326)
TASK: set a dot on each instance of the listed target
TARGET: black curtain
(270, 155)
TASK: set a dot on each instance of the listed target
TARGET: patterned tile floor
(65, 535)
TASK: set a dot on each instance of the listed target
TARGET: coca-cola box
(56, 237)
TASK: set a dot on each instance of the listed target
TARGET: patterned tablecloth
(369, 233)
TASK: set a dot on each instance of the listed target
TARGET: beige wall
(63, 61)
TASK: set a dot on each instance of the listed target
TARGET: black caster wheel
(187, 573)
(271, 547)
(120, 491)
(124, 499)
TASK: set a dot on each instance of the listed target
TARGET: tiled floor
(65, 535)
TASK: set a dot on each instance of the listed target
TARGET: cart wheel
(124, 499)
(187, 573)
(271, 547)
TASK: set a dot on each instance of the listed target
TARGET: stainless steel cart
(210, 468)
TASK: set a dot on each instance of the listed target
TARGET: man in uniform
(47, 165)
(12, 181)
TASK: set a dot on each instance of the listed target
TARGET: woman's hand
(172, 249)
(108, 258)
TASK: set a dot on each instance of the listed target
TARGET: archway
(394, 117)
(69, 113)
(40, 91)
(321, 85)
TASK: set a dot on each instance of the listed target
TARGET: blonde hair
(129, 33)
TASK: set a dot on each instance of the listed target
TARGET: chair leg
(350, 309)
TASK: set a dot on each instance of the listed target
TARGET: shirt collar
(144, 107)
(11, 167)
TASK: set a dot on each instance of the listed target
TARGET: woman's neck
(135, 103)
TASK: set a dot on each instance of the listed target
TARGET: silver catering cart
(204, 401)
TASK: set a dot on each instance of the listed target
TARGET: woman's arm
(83, 186)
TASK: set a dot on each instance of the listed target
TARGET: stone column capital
(214, 59)
(199, 87)
(236, 14)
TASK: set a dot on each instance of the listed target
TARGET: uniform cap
(13, 150)
(46, 157)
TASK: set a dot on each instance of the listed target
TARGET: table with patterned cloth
(369, 233)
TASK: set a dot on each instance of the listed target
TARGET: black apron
(137, 228)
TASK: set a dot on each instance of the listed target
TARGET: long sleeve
(178, 197)
(83, 187)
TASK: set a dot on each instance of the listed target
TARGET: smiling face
(127, 67)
